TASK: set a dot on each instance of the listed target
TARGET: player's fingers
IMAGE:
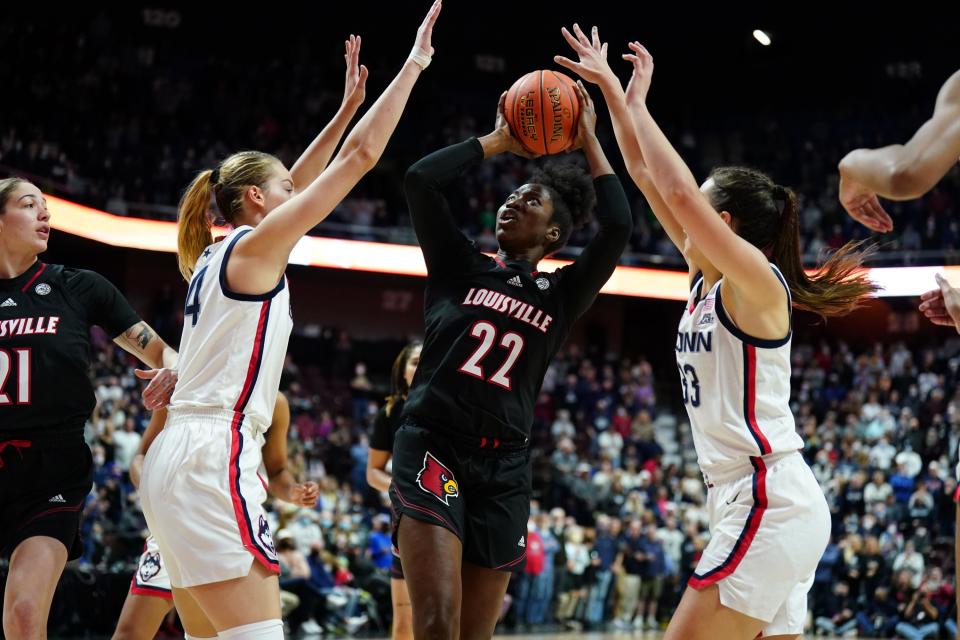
(568, 63)
(581, 36)
(934, 306)
(573, 42)
(880, 214)
(145, 374)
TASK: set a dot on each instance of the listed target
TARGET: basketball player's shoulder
(79, 282)
(950, 92)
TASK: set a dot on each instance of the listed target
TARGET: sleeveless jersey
(736, 387)
(233, 344)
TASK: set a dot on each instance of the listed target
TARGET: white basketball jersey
(233, 344)
(736, 387)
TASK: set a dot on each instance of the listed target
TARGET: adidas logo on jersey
(8, 303)
(57, 498)
(515, 281)
(522, 543)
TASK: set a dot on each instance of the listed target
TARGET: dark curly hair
(571, 189)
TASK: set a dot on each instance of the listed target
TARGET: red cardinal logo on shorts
(437, 479)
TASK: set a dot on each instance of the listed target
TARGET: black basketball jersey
(493, 326)
(385, 426)
(45, 319)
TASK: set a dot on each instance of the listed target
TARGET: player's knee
(437, 620)
(23, 618)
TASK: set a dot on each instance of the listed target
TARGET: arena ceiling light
(762, 37)
(377, 257)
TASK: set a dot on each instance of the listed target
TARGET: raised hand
(587, 127)
(355, 84)
(502, 136)
(422, 50)
(593, 66)
(639, 84)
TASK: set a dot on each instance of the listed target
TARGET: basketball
(542, 110)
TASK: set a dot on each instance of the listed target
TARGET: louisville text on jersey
(509, 306)
(29, 326)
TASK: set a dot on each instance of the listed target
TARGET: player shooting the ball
(461, 463)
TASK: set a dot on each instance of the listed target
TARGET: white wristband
(421, 58)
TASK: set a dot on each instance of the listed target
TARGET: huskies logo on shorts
(437, 479)
(149, 566)
(264, 536)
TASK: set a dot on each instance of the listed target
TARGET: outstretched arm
(593, 67)
(440, 239)
(315, 158)
(903, 171)
(260, 257)
(743, 266)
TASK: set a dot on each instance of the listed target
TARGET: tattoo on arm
(139, 334)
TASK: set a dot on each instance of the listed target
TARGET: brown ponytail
(767, 216)
(840, 285)
(193, 224)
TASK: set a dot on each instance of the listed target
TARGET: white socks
(266, 630)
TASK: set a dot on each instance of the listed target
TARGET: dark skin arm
(282, 483)
(903, 171)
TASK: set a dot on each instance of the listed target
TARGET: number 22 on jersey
(487, 333)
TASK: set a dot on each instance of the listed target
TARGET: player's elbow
(907, 180)
(639, 174)
(621, 227)
(366, 156)
(679, 195)
(415, 179)
(361, 154)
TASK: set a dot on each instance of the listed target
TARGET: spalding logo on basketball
(542, 110)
